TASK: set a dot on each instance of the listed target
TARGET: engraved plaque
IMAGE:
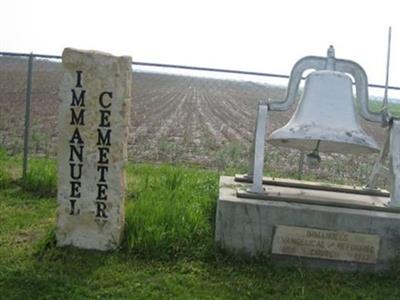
(325, 244)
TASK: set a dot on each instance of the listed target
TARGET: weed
(41, 177)
(5, 176)
(169, 212)
(47, 243)
(233, 155)
(169, 151)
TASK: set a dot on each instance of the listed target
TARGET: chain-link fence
(179, 114)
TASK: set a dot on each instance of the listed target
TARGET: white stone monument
(92, 151)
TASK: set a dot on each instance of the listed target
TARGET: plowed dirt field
(174, 118)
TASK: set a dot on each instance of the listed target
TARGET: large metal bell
(326, 118)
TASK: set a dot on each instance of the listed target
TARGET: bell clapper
(313, 158)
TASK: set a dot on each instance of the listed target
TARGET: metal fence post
(27, 116)
(301, 165)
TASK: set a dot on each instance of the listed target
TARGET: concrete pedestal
(315, 235)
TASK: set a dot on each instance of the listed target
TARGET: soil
(174, 118)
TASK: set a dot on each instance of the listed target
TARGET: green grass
(41, 177)
(170, 210)
(168, 251)
(5, 177)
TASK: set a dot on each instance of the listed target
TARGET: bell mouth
(327, 146)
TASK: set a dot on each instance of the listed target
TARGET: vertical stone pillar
(93, 126)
